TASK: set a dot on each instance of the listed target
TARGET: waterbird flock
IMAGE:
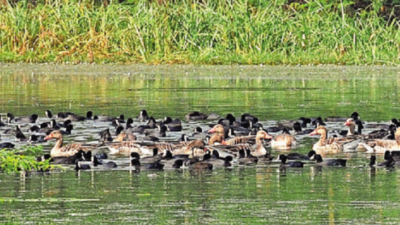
(199, 142)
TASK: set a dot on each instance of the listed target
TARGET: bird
(110, 164)
(59, 149)
(80, 166)
(283, 159)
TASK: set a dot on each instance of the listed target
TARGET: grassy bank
(211, 32)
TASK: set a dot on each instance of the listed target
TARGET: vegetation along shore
(201, 32)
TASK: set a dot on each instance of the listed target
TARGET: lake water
(253, 195)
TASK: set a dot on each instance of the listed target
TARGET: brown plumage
(62, 151)
(124, 136)
(328, 145)
(217, 138)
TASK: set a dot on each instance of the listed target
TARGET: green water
(271, 93)
(252, 195)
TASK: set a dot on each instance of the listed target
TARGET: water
(254, 195)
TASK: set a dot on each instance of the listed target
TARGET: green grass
(209, 32)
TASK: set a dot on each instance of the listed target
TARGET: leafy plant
(15, 161)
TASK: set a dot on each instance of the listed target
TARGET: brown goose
(381, 146)
(127, 147)
(63, 151)
(284, 140)
(328, 145)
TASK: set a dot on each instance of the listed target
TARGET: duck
(1, 122)
(251, 156)
(258, 148)
(68, 159)
(172, 125)
(198, 133)
(48, 114)
(218, 161)
(156, 165)
(217, 139)
(390, 134)
(36, 128)
(129, 123)
(60, 150)
(389, 162)
(110, 164)
(284, 140)
(105, 136)
(243, 160)
(151, 159)
(36, 139)
(125, 136)
(19, 136)
(44, 158)
(283, 159)
(118, 130)
(228, 120)
(120, 118)
(151, 124)
(329, 162)
(328, 146)
(195, 148)
(299, 131)
(298, 156)
(101, 155)
(395, 122)
(351, 124)
(143, 116)
(195, 115)
(304, 121)
(63, 115)
(135, 163)
(265, 159)
(160, 132)
(286, 124)
(6, 145)
(175, 164)
(102, 118)
(354, 116)
(80, 166)
(68, 130)
(76, 118)
(26, 119)
(51, 126)
(199, 166)
(380, 145)
(127, 147)
(318, 122)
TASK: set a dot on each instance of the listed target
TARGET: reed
(198, 32)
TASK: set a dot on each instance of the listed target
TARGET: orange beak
(212, 130)
(50, 136)
(313, 133)
(347, 123)
(224, 142)
(267, 136)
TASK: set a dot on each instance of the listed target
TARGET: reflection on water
(268, 92)
(241, 195)
(312, 195)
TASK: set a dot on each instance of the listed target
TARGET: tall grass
(207, 32)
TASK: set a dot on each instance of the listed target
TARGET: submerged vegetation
(200, 32)
(23, 160)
